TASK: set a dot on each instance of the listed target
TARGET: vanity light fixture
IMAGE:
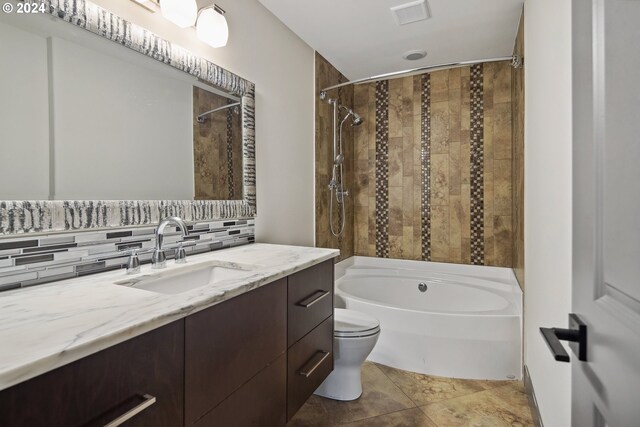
(212, 26)
(150, 5)
(183, 13)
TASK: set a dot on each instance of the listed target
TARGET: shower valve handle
(343, 194)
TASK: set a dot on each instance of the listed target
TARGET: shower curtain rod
(516, 62)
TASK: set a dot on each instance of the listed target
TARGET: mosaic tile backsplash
(36, 259)
(433, 167)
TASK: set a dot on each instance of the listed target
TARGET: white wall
(265, 51)
(547, 199)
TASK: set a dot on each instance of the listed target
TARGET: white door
(606, 211)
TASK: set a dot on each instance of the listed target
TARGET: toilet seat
(354, 324)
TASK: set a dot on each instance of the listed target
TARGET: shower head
(357, 120)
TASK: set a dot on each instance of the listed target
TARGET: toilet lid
(350, 323)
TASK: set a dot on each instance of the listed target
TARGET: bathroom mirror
(117, 116)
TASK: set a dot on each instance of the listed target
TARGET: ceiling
(361, 38)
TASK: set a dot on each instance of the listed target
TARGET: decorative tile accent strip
(44, 216)
(249, 149)
(425, 165)
(34, 260)
(382, 169)
(477, 165)
(230, 151)
(27, 216)
(91, 17)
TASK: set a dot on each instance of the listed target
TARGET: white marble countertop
(48, 326)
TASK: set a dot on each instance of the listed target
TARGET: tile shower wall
(433, 167)
(327, 75)
(518, 159)
(36, 259)
(217, 149)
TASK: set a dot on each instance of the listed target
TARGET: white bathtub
(467, 324)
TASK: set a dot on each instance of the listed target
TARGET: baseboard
(531, 398)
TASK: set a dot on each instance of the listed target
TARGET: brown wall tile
(502, 191)
(450, 166)
(440, 179)
(440, 237)
(517, 99)
(503, 237)
(440, 127)
(439, 86)
(354, 147)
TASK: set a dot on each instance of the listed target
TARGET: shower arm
(201, 117)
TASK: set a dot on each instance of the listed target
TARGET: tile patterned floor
(393, 397)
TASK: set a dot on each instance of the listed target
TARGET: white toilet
(355, 334)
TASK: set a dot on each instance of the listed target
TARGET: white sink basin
(187, 278)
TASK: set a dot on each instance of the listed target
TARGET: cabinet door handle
(148, 401)
(313, 298)
(314, 363)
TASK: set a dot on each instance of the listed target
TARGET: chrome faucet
(159, 258)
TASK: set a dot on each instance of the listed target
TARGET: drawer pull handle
(148, 401)
(315, 363)
(314, 298)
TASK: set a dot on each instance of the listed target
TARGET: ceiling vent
(410, 12)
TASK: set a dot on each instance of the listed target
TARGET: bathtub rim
(500, 275)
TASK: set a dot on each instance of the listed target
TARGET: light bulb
(183, 13)
(212, 28)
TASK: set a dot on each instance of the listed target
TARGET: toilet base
(351, 348)
(342, 384)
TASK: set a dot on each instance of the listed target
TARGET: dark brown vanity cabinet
(227, 348)
(142, 378)
(251, 360)
(310, 333)
(255, 359)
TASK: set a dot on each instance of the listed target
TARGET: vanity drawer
(142, 377)
(310, 295)
(260, 402)
(228, 344)
(310, 362)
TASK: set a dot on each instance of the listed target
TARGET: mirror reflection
(82, 118)
(217, 159)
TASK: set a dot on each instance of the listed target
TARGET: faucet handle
(158, 259)
(181, 254)
(133, 263)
